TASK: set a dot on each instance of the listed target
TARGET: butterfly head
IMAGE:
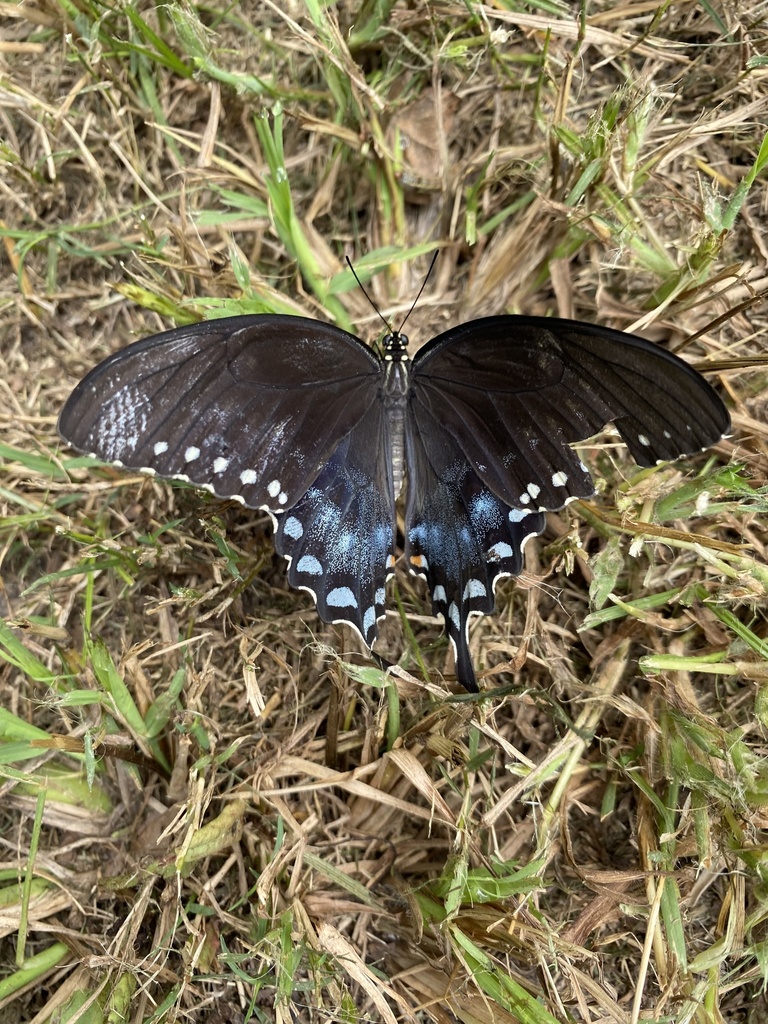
(395, 347)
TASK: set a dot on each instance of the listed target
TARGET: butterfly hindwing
(515, 392)
(459, 534)
(340, 535)
(249, 407)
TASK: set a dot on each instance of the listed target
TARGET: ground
(217, 808)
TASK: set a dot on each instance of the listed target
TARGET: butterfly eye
(302, 419)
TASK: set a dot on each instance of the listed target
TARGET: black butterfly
(298, 417)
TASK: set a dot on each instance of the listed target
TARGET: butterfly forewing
(516, 392)
(250, 407)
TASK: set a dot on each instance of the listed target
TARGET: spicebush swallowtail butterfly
(302, 419)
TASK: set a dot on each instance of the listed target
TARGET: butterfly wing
(279, 412)
(494, 406)
(459, 534)
(339, 537)
(248, 407)
(516, 392)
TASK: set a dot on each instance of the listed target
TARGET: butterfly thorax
(395, 397)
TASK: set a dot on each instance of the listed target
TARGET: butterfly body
(394, 394)
(302, 419)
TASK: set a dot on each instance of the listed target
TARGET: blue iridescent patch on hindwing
(340, 535)
(461, 538)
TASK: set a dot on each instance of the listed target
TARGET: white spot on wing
(160, 447)
(559, 479)
(438, 594)
(369, 619)
(524, 499)
(273, 488)
(220, 464)
(342, 597)
(518, 514)
(534, 490)
(293, 528)
(499, 551)
(380, 596)
(474, 588)
(643, 440)
(282, 498)
(248, 476)
(191, 453)
(310, 565)
(453, 615)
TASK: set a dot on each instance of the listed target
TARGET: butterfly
(302, 419)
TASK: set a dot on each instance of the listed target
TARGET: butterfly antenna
(365, 293)
(423, 286)
(376, 308)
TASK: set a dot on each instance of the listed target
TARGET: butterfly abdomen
(395, 398)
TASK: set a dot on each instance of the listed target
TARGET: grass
(216, 807)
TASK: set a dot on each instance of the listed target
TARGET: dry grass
(207, 815)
